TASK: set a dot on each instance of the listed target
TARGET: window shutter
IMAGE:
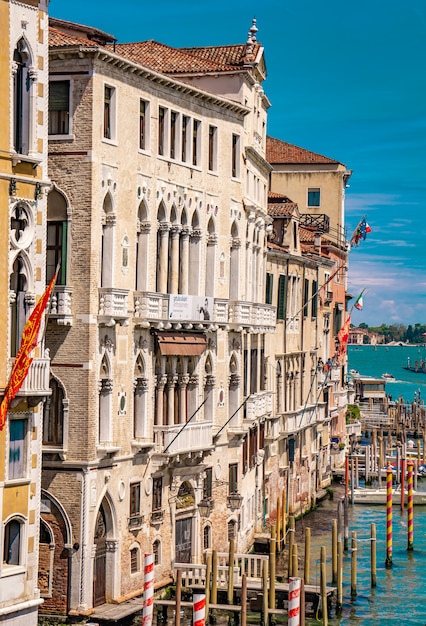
(282, 297)
(59, 94)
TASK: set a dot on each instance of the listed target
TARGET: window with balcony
(57, 237)
(105, 403)
(59, 107)
(18, 303)
(314, 197)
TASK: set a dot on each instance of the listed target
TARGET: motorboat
(388, 376)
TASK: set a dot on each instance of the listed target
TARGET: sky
(346, 80)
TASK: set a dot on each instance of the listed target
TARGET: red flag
(343, 336)
(24, 359)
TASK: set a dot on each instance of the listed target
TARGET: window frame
(313, 197)
(212, 152)
(66, 112)
(23, 477)
(282, 297)
(235, 161)
(157, 493)
(144, 125)
(109, 130)
(11, 568)
(135, 492)
(233, 478)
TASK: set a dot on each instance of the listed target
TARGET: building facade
(157, 333)
(23, 181)
(306, 278)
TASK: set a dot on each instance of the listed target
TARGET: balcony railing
(258, 405)
(60, 305)
(197, 436)
(113, 305)
(36, 382)
(248, 314)
(150, 307)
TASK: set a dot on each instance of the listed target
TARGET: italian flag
(358, 302)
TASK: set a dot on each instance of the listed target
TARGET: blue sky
(345, 79)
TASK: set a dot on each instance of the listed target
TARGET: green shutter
(282, 297)
(314, 298)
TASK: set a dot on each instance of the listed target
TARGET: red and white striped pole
(410, 508)
(148, 590)
(388, 561)
(294, 601)
(199, 611)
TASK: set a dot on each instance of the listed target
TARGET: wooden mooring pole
(178, 596)
(373, 554)
(353, 564)
(231, 571)
(307, 563)
(323, 587)
(334, 552)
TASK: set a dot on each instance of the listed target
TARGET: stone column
(184, 260)
(183, 384)
(174, 259)
(163, 255)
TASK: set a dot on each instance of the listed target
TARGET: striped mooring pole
(148, 590)
(294, 601)
(388, 561)
(410, 508)
(199, 611)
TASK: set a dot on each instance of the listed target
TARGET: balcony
(150, 307)
(258, 405)
(135, 522)
(36, 382)
(60, 305)
(192, 438)
(246, 314)
(113, 306)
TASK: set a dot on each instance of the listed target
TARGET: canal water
(399, 597)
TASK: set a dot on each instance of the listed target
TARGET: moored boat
(379, 496)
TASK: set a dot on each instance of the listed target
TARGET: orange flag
(343, 336)
(24, 359)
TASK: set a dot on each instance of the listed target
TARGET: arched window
(139, 399)
(234, 265)
(12, 551)
(108, 222)
(105, 402)
(21, 98)
(210, 259)
(53, 419)
(207, 537)
(45, 557)
(18, 288)
(57, 233)
(135, 560)
(156, 549)
(142, 248)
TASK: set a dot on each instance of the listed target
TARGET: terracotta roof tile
(168, 60)
(278, 151)
(59, 39)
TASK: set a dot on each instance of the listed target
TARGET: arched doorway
(99, 563)
(185, 503)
